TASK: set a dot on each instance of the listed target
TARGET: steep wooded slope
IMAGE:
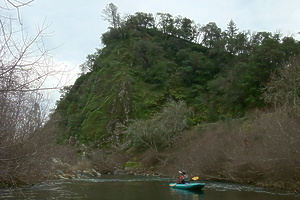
(141, 69)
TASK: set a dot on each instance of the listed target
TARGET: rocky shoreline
(84, 170)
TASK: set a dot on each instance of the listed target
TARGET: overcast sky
(76, 25)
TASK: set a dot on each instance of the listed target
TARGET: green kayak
(187, 186)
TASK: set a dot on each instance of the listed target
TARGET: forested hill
(168, 70)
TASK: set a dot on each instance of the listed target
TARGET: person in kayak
(184, 178)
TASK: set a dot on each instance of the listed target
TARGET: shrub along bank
(255, 150)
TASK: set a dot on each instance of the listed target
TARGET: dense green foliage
(147, 65)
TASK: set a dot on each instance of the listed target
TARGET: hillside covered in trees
(168, 87)
(148, 63)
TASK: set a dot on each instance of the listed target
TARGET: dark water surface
(139, 188)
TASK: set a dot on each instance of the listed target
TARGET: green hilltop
(158, 76)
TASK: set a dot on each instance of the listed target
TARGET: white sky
(76, 25)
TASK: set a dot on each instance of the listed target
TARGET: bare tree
(283, 89)
(24, 68)
(110, 14)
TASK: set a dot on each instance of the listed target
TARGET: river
(138, 188)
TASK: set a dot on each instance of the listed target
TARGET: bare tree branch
(17, 5)
(25, 65)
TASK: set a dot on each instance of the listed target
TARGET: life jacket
(184, 178)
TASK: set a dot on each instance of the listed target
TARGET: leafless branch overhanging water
(25, 66)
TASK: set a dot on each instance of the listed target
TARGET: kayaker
(184, 178)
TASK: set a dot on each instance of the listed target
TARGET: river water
(138, 188)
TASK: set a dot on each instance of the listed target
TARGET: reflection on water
(187, 194)
(137, 187)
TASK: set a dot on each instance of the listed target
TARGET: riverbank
(166, 165)
(261, 149)
(153, 163)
